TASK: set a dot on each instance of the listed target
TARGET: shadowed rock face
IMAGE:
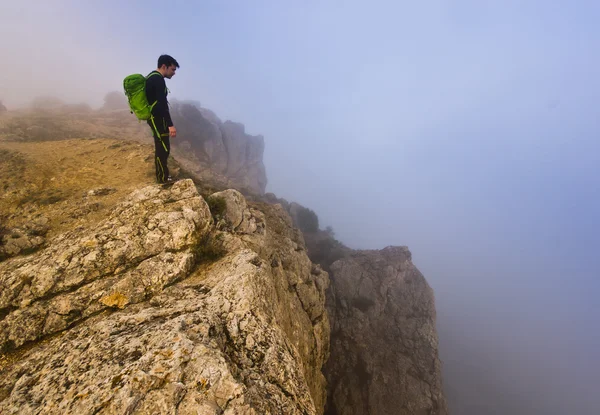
(159, 309)
(222, 147)
(384, 347)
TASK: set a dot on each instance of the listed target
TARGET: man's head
(167, 65)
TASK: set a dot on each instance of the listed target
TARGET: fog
(466, 130)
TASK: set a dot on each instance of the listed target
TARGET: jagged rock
(384, 345)
(124, 318)
(236, 215)
(23, 239)
(223, 147)
(235, 205)
(253, 221)
(110, 257)
(202, 134)
(16, 241)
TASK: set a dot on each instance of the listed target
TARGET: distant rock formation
(2, 108)
(222, 147)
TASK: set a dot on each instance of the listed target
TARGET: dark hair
(167, 60)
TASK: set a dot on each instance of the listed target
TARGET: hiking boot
(168, 181)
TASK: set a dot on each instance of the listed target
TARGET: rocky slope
(161, 308)
(215, 151)
(119, 297)
(50, 187)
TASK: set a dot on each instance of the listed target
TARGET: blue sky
(467, 130)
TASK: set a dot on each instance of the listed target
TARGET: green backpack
(135, 90)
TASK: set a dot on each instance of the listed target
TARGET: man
(160, 122)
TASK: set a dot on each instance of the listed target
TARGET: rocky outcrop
(25, 239)
(156, 310)
(176, 303)
(220, 147)
(384, 346)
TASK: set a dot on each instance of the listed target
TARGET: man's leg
(162, 149)
(160, 160)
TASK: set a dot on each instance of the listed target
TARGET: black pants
(162, 147)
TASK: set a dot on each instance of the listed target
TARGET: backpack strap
(153, 73)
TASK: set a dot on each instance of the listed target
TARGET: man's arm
(165, 106)
(167, 114)
(162, 103)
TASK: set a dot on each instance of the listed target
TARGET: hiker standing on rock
(160, 121)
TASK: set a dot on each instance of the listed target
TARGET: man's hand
(172, 132)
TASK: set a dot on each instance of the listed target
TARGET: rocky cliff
(119, 297)
(384, 343)
(164, 307)
(382, 317)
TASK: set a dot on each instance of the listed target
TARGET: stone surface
(384, 344)
(23, 239)
(155, 310)
(237, 216)
(235, 205)
(44, 293)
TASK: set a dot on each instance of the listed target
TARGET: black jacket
(156, 91)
